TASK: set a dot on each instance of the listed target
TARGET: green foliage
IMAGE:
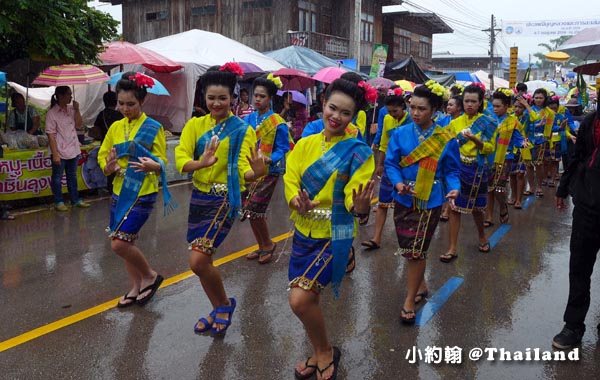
(59, 30)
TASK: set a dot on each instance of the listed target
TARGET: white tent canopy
(484, 78)
(196, 50)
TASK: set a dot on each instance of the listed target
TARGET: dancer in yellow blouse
(327, 183)
(219, 150)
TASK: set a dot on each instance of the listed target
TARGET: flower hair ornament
(480, 85)
(370, 92)
(395, 92)
(506, 91)
(142, 80)
(275, 80)
(435, 88)
(232, 67)
(459, 87)
(555, 98)
(528, 97)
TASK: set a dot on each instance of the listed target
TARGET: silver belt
(468, 160)
(219, 189)
(538, 135)
(121, 173)
(318, 214)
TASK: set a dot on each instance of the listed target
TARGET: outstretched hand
(361, 198)
(302, 203)
(210, 150)
(257, 163)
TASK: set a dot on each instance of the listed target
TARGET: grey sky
(468, 17)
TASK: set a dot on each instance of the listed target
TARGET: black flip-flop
(444, 218)
(423, 296)
(153, 288)
(488, 223)
(370, 245)
(127, 297)
(351, 261)
(446, 258)
(335, 363)
(408, 320)
(485, 247)
(306, 376)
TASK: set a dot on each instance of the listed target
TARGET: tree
(66, 31)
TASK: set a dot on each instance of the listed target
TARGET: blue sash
(140, 146)
(234, 128)
(346, 157)
(559, 118)
(487, 126)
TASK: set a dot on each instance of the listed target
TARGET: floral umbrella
(70, 74)
(381, 83)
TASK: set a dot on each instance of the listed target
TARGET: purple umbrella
(297, 96)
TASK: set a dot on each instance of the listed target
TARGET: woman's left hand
(451, 196)
(361, 199)
(146, 165)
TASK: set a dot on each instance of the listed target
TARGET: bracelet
(359, 215)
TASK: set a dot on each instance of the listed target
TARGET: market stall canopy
(406, 68)
(585, 44)
(122, 52)
(484, 78)
(557, 56)
(196, 50)
(303, 58)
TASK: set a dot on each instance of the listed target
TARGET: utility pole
(356, 31)
(492, 30)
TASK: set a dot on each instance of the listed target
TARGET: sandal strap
(321, 370)
(222, 321)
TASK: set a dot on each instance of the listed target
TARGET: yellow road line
(77, 317)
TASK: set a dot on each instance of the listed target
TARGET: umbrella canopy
(157, 89)
(589, 69)
(251, 71)
(557, 56)
(381, 83)
(2, 78)
(67, 75)
(302, 58)
(297, 96)
(122, 52)
(533, 85)
(293, 79)
(406, 85)
(585, 44)
(329, 74)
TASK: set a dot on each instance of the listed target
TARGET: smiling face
(471, 103)
(338, 113)
(218, 101)
(262, 100)
(128, 104)
(421, 111)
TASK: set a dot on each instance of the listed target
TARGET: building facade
(326, 26)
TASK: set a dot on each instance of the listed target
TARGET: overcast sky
(468, 17)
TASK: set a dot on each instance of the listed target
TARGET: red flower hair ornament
(142, 80)
(232, 67)
(395, 92)
(480, 85)
(370, 92)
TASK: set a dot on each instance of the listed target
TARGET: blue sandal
(207, 325)
(227, 322)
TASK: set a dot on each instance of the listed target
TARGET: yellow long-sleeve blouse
(116, 135)
(389, 123)
(217, 173)
(305, 153)
(469, 149)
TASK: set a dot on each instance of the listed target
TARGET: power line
(464, 11)
(445, 18)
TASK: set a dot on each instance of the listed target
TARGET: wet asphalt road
(56, 265)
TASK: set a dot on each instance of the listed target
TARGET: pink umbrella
(121, 52)
(381, 83)
(293, 79)
(67, 75)
(328, 74)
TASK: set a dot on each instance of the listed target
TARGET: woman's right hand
(112, 163)
(56, 159)
(209, 156)
(302, 203)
